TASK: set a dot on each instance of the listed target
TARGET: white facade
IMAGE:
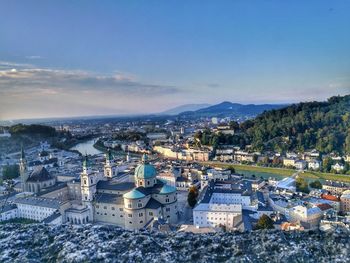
(215, 215)
(34, 212)
(8, 214)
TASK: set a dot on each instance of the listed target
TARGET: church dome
(167, 189)
(134, 194)
(145, 170)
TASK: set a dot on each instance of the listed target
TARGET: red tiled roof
(330, 197)
(324, 207)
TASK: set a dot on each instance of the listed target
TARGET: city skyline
(65, 59)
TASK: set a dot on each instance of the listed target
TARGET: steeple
(22, 153)
(86, 164)
(109, 156)
(23, 170)
(144, 158)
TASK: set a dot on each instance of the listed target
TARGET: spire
(109, 155)
(145, 158)
(86, 162)
(22, 153)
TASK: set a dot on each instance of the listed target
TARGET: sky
(78, 58)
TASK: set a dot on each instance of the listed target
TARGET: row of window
(112, 208)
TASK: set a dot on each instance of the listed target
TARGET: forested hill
(324, 126)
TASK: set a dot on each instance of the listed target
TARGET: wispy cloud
(29, 91)
(38, 78)
(34, 57)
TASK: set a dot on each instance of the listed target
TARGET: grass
(283, 171)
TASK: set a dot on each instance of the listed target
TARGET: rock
(95, 243)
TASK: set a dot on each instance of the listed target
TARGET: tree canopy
(264, 222)
(192, 196)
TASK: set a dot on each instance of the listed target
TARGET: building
(222, 206)
(338, 167)
(345, 201)
(335, 188)
(310, 217)
(36, 180)
(314, 165)
(38, 208)
(132, 205)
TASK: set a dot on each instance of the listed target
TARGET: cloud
(27, 91)
(6, 65)
(34, 57)
(12, 79)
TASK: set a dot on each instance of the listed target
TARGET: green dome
(134, 194)
(145, 171)
(167, 189)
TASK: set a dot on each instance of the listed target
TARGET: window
(129, 215)
(139, 205)
(167, 209)
(167, 200)
(121, 215)
(141, 222)
(140, 183)
(85, 181)
(113, 214)
(92, 181)
(150, 213)
(105, 207)
(113, 208)
(147, 182)
(121, 209)
(140, 214)
(129, 205)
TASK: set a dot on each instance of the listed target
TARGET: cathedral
(35, 180)
(133, 204)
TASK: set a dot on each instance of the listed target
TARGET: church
(132, 205)
(136, 203)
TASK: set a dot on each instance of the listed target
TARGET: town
(163, 175)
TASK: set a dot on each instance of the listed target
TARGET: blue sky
(71, 58)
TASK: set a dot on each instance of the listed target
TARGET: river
(87, 147)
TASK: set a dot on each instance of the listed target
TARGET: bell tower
(108, 169)
(88, 182)
(23, 170)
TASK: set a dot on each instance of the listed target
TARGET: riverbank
(284, 172)
(99, 146)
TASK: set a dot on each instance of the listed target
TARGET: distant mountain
(184, 108)
(229, 109)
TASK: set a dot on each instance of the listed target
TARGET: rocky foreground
(88, 243)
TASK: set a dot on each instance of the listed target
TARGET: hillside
(324, 126)
(87, 243)
(229, 109)
(183, 108)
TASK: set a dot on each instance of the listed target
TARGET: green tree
(10, 172)
(192, 196)
(264, 222)
(316, 184)
(301, 185)
(347, 144)
(327, 164)
(232, 169)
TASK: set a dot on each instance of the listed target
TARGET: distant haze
(80, 58)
